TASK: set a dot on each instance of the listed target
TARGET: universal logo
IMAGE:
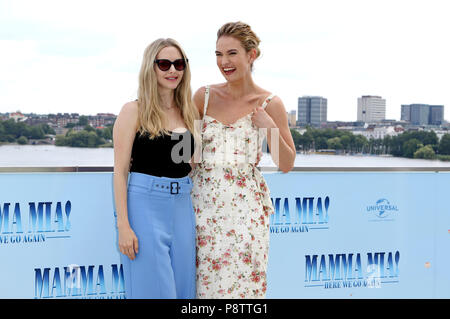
(383, 210)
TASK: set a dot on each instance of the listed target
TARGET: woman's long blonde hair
(151, 117)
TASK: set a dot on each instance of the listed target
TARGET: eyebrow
(229, 51)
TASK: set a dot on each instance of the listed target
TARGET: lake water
(55, 156)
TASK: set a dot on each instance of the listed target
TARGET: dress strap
(205, 106)
(267, 100)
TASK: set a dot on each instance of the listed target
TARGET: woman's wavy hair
(151, 117)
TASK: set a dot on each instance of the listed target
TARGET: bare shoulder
(218, 89)
(275, 105)
(128, 115)
(129, 110)
(200, 91)
(199, 99)
(199, 95)
(130, 107)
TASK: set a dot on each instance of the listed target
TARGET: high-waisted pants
(161, 215)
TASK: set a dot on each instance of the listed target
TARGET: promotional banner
(359, 235)
(333, 235)
(57, 236)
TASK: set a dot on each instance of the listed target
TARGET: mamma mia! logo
(299, 215)
(34, 222)
(79, 282)
(369, 270)
(383, 210)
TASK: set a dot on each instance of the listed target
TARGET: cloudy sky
(84, 56)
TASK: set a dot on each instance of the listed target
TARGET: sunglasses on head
(164, 64)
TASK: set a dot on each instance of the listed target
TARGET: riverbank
(57, 156)
(52, 143)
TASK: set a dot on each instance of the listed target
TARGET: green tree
(2, 132)
(83, 138)
(361, 143)
(92, 139)
(307, 140)
(444, 145)
(107, 133)
(320, 143)
(334, 143)
(89, 128)
(346, 142)
(47, 129)
(36, 132)
(410, 147)
(83, 120)
(60, 140)
(387, 143)
(296, 136)
(425, 152)
(22, 140)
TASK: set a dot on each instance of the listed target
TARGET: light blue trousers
(161, 215)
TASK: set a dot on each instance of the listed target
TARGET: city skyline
(369, 103)
(51, 62)
(357, 110)
(311, 110)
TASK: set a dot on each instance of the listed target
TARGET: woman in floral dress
(230, 196)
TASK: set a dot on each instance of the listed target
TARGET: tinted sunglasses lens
(164, 65)
(179, 64)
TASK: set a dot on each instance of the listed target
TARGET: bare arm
(199, 100)
(274, 118)
(124, 132)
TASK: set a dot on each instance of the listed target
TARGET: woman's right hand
(128, 242)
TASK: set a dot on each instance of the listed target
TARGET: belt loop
(128, 179)
(150, 184)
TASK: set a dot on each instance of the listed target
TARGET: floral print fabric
(232, 207)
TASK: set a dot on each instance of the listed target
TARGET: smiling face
(169, 79)
(232, 59)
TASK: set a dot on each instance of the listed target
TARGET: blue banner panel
(441, 214)
(57, 236)
(358, 235)
(333, 235)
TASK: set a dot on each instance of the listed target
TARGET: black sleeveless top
(163, 156)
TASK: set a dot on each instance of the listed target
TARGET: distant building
(312, 110)
(101, 119)
(436, 114)
(406, 113)
(371, 109)
(423, 114)
(17, 116)
(61, 120)
(292, 118)
(378, 132)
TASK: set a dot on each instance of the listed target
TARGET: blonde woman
(155, 218)
(230, 197)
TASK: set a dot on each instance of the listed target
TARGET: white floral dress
(232, 206)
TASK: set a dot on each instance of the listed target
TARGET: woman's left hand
(261, 119)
